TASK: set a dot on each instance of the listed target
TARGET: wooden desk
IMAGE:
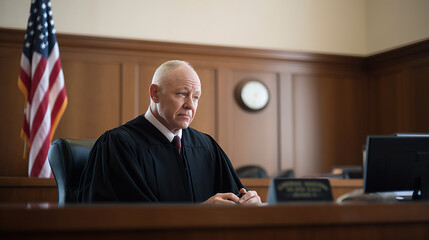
(23, 190)
(339, 186)
(291, 221)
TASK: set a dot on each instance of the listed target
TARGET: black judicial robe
(136, 163)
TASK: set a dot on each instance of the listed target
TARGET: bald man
(157, 157)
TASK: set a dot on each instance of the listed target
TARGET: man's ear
(154, 92)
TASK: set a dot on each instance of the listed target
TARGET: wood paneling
(417, 119)
(129, 91)
(205, 120)
(28, 190)
(322, 106)
(291, 221)
(12, 114)
(94, 93)
(328, 113)
(253, 136)
(388, 103)
(145, 78)
(399, 83)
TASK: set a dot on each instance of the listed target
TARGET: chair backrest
(287, 173)
(67, 158)
(251, 171)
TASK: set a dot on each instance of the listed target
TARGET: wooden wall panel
(287, 139)
(146, 72)
(94, 93)
(418, 99)
(253, 137)
(206, 118)
(399, 81)
(129, 91)
(307, 124)
(388, 102)
(11, 116)
(328, 113)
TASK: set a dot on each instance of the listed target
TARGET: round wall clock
(252, 95)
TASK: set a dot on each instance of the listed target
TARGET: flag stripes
(41, 81)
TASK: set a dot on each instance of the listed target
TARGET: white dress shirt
(167, 133)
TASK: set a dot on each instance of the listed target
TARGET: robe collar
(167, 133)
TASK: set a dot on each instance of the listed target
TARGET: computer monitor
(397, 163)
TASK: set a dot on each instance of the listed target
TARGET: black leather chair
(67, 158)
(288, 173)
(251, 171)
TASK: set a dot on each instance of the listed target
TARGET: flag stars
(40, 27)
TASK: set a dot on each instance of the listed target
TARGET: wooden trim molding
(399, 55)
(17, 182)
(14, 36)
(27, 190)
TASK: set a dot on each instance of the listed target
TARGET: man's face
(178, 98)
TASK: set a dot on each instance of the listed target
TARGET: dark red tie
(177, 143)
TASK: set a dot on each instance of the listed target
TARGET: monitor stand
(421, 189)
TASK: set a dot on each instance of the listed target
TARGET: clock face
(253, 95)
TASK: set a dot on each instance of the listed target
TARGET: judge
(157, 157)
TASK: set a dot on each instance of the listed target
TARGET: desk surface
(296, 221)
(22, 189)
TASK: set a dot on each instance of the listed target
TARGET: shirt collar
(167, 133)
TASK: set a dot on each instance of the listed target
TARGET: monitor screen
(396, 163)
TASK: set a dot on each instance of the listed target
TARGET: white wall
(396, 23)
(349, 27)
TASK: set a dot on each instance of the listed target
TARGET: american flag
(41, 81)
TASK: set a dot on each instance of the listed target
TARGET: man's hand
(222, 198)
(249, 198)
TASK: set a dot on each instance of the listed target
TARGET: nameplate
(297, 190)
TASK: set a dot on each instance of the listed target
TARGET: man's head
(174, 94)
